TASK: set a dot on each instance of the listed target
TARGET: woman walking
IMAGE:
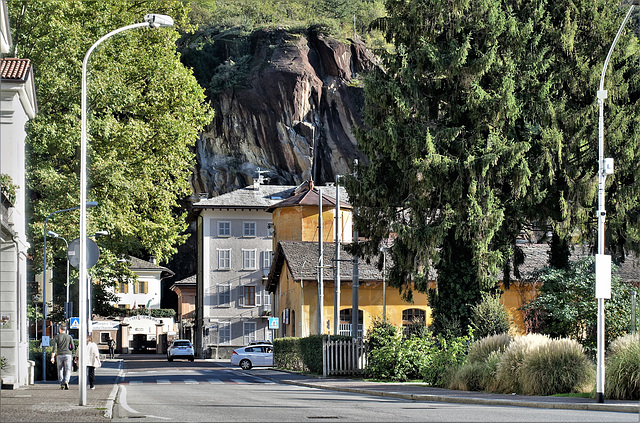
(93, 361)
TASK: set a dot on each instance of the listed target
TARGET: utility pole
(336, 268)
(320, 265)
(355, 286)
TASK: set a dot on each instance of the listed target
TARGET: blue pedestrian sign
(74, 323)
(274, 323)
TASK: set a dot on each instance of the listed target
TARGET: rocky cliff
(284, 102)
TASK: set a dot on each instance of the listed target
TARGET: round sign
(73, 253)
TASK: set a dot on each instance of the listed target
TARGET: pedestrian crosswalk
(136, 380)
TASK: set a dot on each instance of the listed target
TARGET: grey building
(235, 249)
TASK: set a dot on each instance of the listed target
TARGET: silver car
(180, 348)
(253, 355)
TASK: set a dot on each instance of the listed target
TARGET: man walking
(63, 349)
(112, 347)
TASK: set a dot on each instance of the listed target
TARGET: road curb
(111, 399)
(619, 408)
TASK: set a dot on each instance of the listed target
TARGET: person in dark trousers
(63, 349)
(112, 347)
(93, 361)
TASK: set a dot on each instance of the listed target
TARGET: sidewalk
(44, 401)
(420, 392)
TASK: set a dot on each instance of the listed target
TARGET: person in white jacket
(93, 361)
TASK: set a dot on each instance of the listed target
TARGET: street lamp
(152, 21)
(83, 205)
(67, 313)
(603, 263)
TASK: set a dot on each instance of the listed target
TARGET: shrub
(480, 350)
(489, 317)
(565, 308)
(445, 356)
(556, 366)
(301, 354)
(508, 369)
(623, 369)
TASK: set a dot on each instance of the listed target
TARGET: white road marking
(163, 381)
(191, 381)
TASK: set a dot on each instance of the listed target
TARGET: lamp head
(53, 234)
(158, 21)
(101, 233)
(92, 203)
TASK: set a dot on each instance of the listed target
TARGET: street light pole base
(599, 397)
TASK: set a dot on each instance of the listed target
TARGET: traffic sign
(274, 323)
(73, 253)
(74, 323)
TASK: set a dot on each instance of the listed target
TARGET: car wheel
(245, 364)
(170, 359)
(191, 359)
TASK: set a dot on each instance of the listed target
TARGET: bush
(508, 370)
(480, 350)
(556, 366)
(489, 317)
(565, 308)
(301, 354)
(623, 369)
(445, 356)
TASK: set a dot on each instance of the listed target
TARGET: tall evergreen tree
(477, 124)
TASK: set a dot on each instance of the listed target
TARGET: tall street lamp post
(152, 21)
(44, 281)
(67, 313)
(603, 262)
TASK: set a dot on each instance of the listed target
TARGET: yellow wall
(304, 304)
(300, 223)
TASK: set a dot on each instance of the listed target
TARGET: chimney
(152, 259)
(256, 184)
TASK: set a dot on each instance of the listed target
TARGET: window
(122, 288)
(140, 287)
(249, 229)
(104, 337)
(248, 332)
(413, 315)
(267, 257)
(224, 295)
(267, 299)
(224, 259)
(258, 297)
(247, 296)
(224, 229)
(224, 332)
(249, 259)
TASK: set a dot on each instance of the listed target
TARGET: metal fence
(343, 357)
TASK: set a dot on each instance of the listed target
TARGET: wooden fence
(343, 357)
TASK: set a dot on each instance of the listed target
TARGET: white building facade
(146, 291)
(17, 106)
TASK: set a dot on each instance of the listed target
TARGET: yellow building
(294, 279)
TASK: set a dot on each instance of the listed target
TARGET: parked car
(253, 355)
(180, 348)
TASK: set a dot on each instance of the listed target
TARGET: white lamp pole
(603, 264)
(152, 21)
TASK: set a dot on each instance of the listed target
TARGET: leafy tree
(145, 111)
(566, 305)
(477, 125)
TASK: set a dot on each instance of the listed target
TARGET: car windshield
(182, 344)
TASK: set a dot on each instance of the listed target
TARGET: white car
(180, 348)
(253, 355)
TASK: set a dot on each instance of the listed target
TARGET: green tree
(479, 125)
(145, 110)
(566, 306)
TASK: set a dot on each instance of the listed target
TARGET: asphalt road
(154, 390)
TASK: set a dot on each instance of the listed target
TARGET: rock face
(293, 116)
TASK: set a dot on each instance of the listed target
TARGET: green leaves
(145, 110)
